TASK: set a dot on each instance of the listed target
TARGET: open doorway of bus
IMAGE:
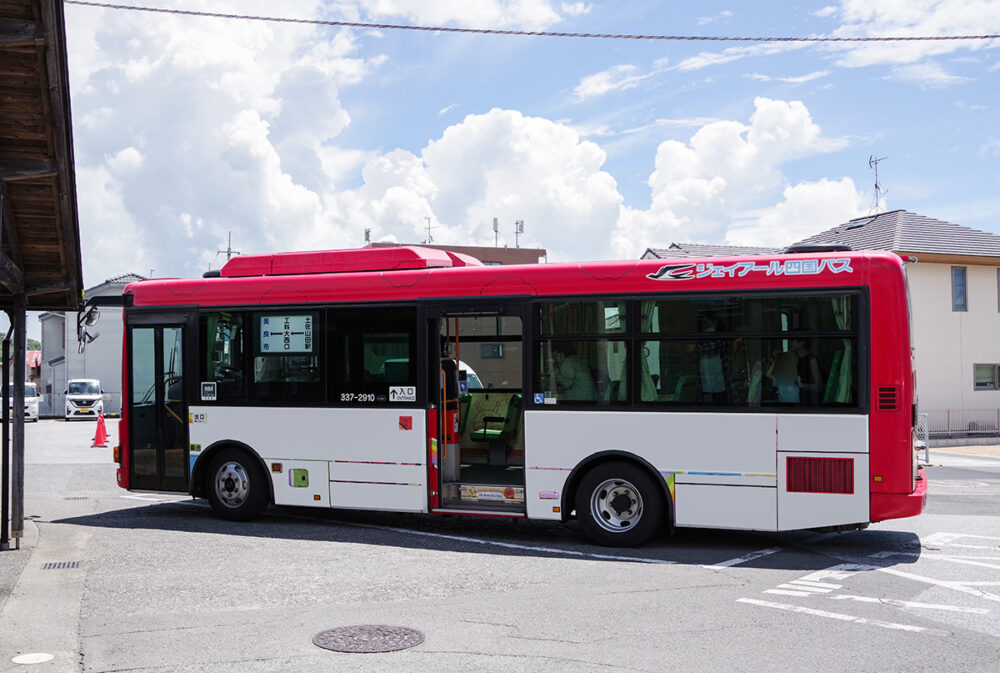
(481, 435)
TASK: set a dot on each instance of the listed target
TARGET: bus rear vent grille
(820, 475)
(888, 398)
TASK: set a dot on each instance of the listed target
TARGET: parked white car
(84, 398)
(30, 402)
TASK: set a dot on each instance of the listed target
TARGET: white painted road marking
(153, 498)
(909, 604)
(805, 587)
(524, 547)
(746, 558)
(844, 618)
(946, 460)
(819, 585)
(955, 586)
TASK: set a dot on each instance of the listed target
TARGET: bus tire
(619, 504)
(236, 486)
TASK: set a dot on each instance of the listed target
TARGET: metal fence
(962, 422)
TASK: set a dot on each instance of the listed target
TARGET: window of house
(985, 377)
(959, 299)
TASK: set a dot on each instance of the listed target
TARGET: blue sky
(301, 137)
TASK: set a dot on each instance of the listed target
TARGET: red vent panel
(888, 398)
(820, 475)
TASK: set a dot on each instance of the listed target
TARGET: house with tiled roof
(954, 280)
(953, 273)
(705, 250)
(101, 359)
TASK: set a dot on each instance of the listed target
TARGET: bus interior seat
(603, 384)
(686, 390)
(397, 371)
(498, 437)
(464, 406)
(831, 382)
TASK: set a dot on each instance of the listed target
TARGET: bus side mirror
(87, 319)
(91, 316)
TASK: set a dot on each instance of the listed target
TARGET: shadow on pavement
(798, 550)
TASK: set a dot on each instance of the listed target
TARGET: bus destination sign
(286, 333)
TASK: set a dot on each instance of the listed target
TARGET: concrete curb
(42, 612)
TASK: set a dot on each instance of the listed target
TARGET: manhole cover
(368, 638)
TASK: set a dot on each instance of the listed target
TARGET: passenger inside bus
(574, 381)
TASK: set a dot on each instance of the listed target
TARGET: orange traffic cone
(101, 437)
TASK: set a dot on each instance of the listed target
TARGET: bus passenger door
(476, 387)
(157, 407)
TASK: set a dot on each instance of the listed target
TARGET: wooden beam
(11, 276)
(57, 83)
(35, 290)
(26, 169)
(19, 33)
(8, 231)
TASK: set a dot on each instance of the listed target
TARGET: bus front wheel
(236, 486)
(619, 504)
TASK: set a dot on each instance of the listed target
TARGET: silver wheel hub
(232, 484)
(616, 505)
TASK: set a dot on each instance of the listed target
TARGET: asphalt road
(115, 581)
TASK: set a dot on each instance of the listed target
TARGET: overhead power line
(528, 33)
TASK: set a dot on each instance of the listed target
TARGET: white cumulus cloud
(912, 18)
(617, 78)
(526, 14)
(807, 209)
(702, 188)
(928, 75)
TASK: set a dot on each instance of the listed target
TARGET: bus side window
(287, 350)
(222, 338)
(373, 354)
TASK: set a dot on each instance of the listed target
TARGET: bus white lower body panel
(711, 506)
(725, 470)
(353, 458)
(837, 492)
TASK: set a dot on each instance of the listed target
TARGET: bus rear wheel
(619, 504)
(236, 487)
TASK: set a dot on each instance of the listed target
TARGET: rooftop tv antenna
(228, 252)
(368, 235)
(873, 164)
(518, 230)
(430, 239)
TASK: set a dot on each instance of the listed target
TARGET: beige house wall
(948, 343)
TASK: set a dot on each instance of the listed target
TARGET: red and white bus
(759, 393)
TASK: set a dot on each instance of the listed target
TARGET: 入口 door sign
(402, 393)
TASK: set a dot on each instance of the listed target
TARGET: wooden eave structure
(39, 230)
(40, 265)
